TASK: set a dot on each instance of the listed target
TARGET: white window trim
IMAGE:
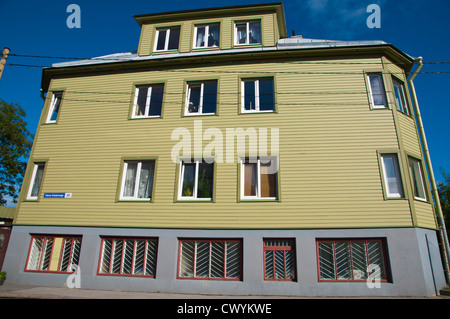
(417, 163)
(206, 26)
(33, 177)
(147, 103)
(188, 96)
(136, 181)
(398, 175)
(401, 87)
(247, 29)
(257, 100)
(258, 185)
(180, 182)
(56, 95)
(378, 106)
(166, 41)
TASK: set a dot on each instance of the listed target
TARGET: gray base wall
(414, 257)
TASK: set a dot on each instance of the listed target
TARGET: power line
(299, 62)
(261, 72)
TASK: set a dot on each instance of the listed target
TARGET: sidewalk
(10, 291)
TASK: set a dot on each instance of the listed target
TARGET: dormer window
(247, 32)
(167, 39)
(207, 36)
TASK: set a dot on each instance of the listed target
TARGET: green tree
(444, 197)
(15, 146)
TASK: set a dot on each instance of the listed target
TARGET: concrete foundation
(413, 254)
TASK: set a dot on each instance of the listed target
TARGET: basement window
(352, 260)
(128, 256)
(279, 259)
(54, 253)
(210, 259)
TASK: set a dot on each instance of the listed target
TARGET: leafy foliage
(444, 196)
(15, 146)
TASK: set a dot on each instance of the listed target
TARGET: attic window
(167, 39)
(247, 32)
(207, 35)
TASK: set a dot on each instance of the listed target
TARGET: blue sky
(419, 28)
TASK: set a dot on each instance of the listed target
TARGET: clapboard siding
(148, 31)
(328, 141)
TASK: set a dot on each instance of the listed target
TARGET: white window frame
(400, 86)
(258, 184)
(247, 27)
(33, 181)
(418, 165)
(57, 97)
(398, 176)
(188, 96)
(257, 97)
(206, 26)
(147, 102)
(137, 180)
(195, 190)
(383, 88)
(166, 41)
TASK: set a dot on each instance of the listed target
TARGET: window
(210, 259)
(207, 36)
(167, 39)
(128, 256)
(391, 175)
(54, 107)
(377, 92)
(137, 180)
(196, 180)
(54, 253)
(36, 180)
(259, 178)
(247, 32)
(148, 101)
(352, 260)
(417, 178)
(400, 100)
(201, 98)
(257, 95)
(279, 259)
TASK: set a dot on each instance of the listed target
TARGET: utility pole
(3, 60)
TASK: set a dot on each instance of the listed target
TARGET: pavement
(13, 291)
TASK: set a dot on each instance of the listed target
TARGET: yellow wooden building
(224, 156)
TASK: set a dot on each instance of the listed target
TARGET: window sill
(258, 112)
(196, 200)
(270, 200)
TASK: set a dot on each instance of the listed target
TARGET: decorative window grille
(54, 253)
(279, 259)
(210, 259)
(128, 256)
(352, 260)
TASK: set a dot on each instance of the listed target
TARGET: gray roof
(292, 43)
